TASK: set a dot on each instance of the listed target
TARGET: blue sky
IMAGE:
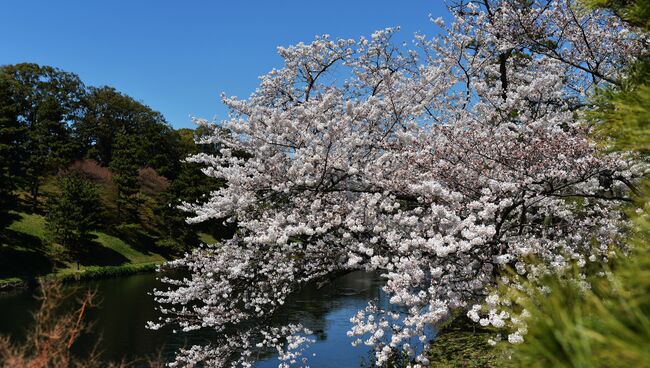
(178, 56)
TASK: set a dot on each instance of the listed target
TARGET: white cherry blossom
(440, 167)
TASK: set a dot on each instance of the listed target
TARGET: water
(126, 307)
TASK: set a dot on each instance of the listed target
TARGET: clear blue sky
(178, 56)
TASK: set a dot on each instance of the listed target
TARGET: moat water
(126, 306)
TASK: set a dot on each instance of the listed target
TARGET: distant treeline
(92, 157)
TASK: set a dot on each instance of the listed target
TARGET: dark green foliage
(160, 148)
(72, 214)
(189, 186)
(109, 112)
(45, 102)
(634, 12)
(125, 167)
(48, 146)
(50, 123)
(623, 116)
(176, 234)
(10, 133)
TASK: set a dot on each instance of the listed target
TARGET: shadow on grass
(140, 240)
(6, 219)
(92, 253)
(22, 255)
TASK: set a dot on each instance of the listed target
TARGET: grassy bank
(463, 344)
(98, 272)
(26, 254)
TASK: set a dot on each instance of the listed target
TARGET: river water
(126, 307)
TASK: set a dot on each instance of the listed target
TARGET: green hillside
(25, 251)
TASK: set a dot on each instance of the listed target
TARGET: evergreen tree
(125, 175)
(177, 234)
(49, 146)
(46, 102)
(189, 185)
(9, 142)
(72, 213)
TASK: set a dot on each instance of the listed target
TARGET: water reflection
(327, 311)
(126, 306)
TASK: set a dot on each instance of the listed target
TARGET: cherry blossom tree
(440, 167)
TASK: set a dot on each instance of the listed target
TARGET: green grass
(97, 272)
(121, 247)
(207, 238)
(30, 224)
(25, 253)
(463, 344)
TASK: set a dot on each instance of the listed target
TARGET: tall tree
(73, 212)
(125, 167)
(48, 146)
(46, 101)
(189, 186)
(10, 137)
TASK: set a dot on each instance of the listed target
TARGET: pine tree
(45, 102)
(73, 212)
(10, 132)
(189, 185)
(177, 234)
(49, 146)
(125, 169)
